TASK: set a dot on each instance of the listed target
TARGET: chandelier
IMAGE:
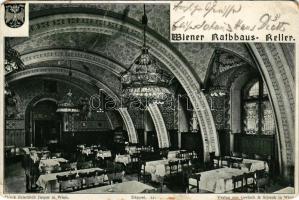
(145, 80)
(13, 60)
(67, 105)
(12, 63)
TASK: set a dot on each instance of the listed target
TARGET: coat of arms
(14, 15)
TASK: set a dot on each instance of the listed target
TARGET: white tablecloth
(125, 159)
(49, 181)
(86, 151)
(51, 162)
(159, 168)
(131, 149)
(287, 190)
(173, 154)
(129, 187)
(253, 165)
(217, 180)
(104, 154)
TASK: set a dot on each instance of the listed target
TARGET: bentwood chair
(142, 174)
(68, 183)
(191, 186)
(244, 155)
(185, 174)
(238, 183)
(250, 182)
(262, 180)
(172, 178)
(85, 165)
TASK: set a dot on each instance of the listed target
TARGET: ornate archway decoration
(103, 24)
(162, 134)
(129, 125)
(75, 55)
(277, 75)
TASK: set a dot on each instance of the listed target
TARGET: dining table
(125, 159)
(128, 187)
(286, 190)
(159, 168)
(104, 154)
(51, 162)
(251, 164)
(173, 154)
(49, 181)
(217, 180)
(131, 150)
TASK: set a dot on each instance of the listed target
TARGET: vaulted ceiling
(117, 47)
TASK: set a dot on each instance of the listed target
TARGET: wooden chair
(133, 166)
(90, 179)
(238, 183)
(142, 174)
(194, 155)
(244, 155)
(216, 162)
(69, 183)
(100, 177)
(56, 155)
(73, 165)
(85, 165)
(64, 166)
(190, 186)
(236, 162)
(258, 157)
(180, 155)
(235, 154)
(269, 160)
(172, 178)
(185, 174)
(225, 162)
(173, 167)
(262, 180)
(184, 163)
(250, 182)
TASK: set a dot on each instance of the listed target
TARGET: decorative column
(160, 127)
(129, 125)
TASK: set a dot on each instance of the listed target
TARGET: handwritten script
(225, 16)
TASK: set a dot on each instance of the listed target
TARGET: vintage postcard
(149, 100)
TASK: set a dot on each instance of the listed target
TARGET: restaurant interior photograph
(98, 100)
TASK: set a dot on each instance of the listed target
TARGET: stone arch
(270, 60)
(278, 77)
(162, 134)
(70, 54)
(61, 71)
(77, 75)
(129, 125)
(160, 48)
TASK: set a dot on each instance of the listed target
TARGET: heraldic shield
(14, 15)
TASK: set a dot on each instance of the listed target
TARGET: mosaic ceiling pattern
(118, 48)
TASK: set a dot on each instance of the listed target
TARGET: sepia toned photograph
(98, 99)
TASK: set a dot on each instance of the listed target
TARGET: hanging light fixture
(67, 105)
(145, 80)
(12, 63)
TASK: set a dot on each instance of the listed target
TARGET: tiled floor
(15, 180)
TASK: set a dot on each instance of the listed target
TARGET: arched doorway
(46, 124)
